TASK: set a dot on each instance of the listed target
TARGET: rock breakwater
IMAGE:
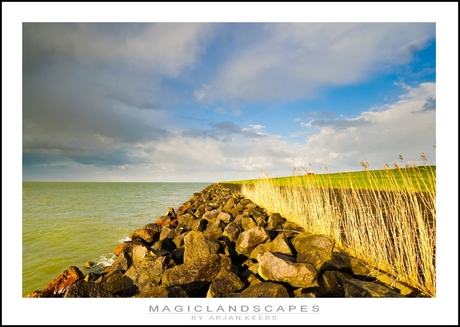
(220, 244)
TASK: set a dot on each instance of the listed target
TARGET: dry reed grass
(393, 231)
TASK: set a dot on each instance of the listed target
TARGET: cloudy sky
(223, 101)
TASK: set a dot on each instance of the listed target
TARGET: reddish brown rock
(118, 249)
(60, 284)
(164, 220)
(182, 209)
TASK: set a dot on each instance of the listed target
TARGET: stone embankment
(221, 244)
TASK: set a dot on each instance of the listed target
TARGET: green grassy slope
(422, 178)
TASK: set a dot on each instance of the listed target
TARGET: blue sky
(224, 101)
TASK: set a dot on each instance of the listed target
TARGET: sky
(224, 101)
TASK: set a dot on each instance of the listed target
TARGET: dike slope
(220, 244)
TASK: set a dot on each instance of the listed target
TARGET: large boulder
(279, 245)
(314, 249)
(145, 275)
(248, 240)
(113, 282)
(198, 247)
(194, 277)
(148, 235)
(275, 268)
(225, 283)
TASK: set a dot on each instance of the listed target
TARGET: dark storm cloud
(340, 124)
(76, 105)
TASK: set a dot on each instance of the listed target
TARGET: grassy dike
(385, 217)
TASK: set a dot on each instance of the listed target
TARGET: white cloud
(402, 128)
(296, 59)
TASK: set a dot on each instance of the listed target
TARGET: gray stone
(248, 240)
(273, 267)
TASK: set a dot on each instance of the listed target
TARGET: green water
(67, 224)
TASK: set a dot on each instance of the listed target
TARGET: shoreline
(220, 244)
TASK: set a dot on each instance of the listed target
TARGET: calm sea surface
(67, 224)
